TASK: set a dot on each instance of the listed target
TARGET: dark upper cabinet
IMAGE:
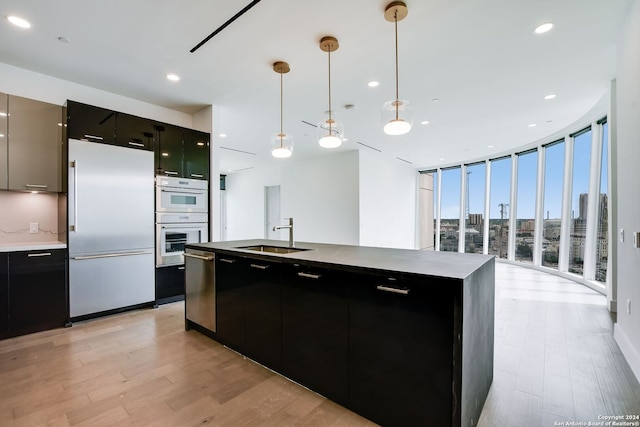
(169, 150)
(34, 145)
(37, 291)
(401, 340)
(135, 132)
(89, 123)
(196, 154)
(315, 328)
(4, 295)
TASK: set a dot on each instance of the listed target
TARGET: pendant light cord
(281, 134)
(395, 20)
(330, 119)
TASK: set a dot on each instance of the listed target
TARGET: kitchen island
(403, 337)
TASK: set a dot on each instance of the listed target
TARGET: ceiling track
(225, 25)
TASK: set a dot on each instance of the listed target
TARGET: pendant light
(281, 143)
(330, 130)
(397, 114)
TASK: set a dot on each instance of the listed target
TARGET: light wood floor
(555, 360)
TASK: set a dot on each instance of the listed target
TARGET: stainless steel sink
(272, 249)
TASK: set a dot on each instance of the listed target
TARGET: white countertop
(31, 246)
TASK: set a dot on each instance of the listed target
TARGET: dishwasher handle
(203, 258)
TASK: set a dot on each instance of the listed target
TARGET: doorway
(272, 211)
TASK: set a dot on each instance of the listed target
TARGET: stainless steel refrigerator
(111, 227)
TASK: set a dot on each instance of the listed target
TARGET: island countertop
(414, 262)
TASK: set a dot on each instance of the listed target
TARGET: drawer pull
(99, 138)
(392, 290)
(35, 186)
(136, 144)
(260, 267)
(40, 254)
(197, 175)
(309, 276)
(228, 261)
(170, 173)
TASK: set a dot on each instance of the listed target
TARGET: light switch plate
(636, 239)
(622, 235)
(34, 227)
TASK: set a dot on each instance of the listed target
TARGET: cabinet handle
(180, 268)
(40, 254)
(260, 267)
(74, 227)
(197, 175)
(309, 276)
(228, 261)
(35, 186)
(94, 137)
(170, 173)
(203, 258)
(392, 290)
(84, 257)
(137, 144)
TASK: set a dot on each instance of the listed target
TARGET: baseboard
(628, 350)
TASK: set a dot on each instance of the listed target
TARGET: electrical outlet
(622, 235)
(34, 227)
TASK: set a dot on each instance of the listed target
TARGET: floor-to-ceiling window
(579, 199)
(602, 243)
(435, 175)
(499, 196)
(450, 209)
(526, 205)
(553, 184)
(474, 207)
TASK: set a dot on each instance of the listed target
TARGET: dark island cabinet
(37, 291)
(196, 154)
(90, 123)
(315, 316)
(4, 295)
(263, 308)
(401, 350)
(229, 301)
(135, 132)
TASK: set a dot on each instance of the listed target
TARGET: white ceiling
(479, 57)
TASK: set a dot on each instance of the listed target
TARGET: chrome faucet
(290, 227)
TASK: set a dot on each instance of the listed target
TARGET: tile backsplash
(18, 211)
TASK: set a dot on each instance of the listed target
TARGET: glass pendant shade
(397, 117)
(330, 132)
(281, 145)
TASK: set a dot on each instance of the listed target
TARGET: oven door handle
(180, 190)
(191, 225)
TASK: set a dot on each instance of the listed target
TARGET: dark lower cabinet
(401, 355)
(229, 301)
(263, 310)
(37, 291)
(315, 316)
(169, 284)
(4, 295)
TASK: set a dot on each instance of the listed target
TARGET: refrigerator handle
(74, 227)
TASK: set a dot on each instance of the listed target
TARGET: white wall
(387, 202)
(25, 83)
(627, 211)
(322, 195)
(245, 202)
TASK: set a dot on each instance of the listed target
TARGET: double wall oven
(181, 217)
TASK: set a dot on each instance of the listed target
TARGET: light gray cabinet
(34, 145)
(3, 140)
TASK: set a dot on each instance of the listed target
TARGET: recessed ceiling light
(490, 146)
(222, 135)
(424, 122)
(165, 154)
(1, 135)
(435, 100)
(173, 77)
(532, 125)
(19, 22)
(3, 114)
(550, 96)
(373, 83)
(441, 158)
(540, 29)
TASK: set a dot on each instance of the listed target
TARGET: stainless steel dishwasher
(200, 288)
